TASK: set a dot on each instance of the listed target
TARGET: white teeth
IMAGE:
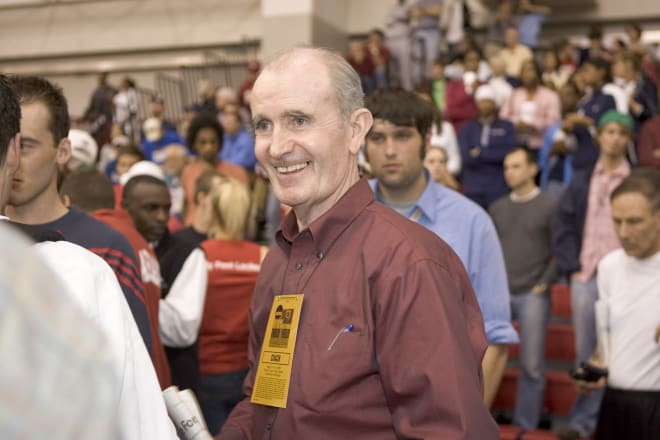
(291, 168)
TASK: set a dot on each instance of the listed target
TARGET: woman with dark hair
(532, 107)
(204, 140)
(554, 74)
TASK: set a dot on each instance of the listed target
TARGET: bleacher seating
(561, 301)
(559, 344)
(559, 392)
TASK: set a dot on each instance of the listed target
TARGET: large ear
(63, 152)
(360, 123)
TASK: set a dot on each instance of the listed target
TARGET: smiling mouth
(292, 168)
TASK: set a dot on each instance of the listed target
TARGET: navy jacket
(484, 174)
(595, 106)
(569, 225)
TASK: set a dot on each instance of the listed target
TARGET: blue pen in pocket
(347, 329)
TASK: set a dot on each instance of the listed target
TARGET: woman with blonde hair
(233, 265)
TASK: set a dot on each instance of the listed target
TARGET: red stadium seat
(509, 432)
(539, 434)
(561, 300)
(506, 393)
(559, 344)
(559, 393)
(558, 397)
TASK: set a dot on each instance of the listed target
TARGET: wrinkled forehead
(294, 77)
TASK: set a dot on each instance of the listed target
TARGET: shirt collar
(622, 170)
(329, 226)
(427, 202)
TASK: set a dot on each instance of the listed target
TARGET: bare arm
(493, 366)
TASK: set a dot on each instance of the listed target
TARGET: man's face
(40, 157)
(486, 108)
(636, 225)
(517, 171)
(207, 144)
(156, 108)
(591, 75)
(149, 206)
(613, 140)
(302, 141)
(232, 123)
(395, 153)
(511, 37)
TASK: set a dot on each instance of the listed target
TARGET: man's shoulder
(454, 206)
(405, 238)
(612, 262)
(500, 205)
(95, 235)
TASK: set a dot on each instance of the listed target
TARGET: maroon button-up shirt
(410, 367)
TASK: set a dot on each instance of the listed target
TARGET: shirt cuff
(501, 332)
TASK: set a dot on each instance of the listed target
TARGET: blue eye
(262, 126)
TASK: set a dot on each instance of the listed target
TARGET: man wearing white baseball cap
(484, 142)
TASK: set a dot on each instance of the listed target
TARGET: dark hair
(602, 65)
(441, 60)
(595, 32)
(528, 154)
(204, 182)
(378, 32)
(32, 89)
(401, 107)
(471, 50)
(89, 190)
(645, 181)
(134, 181)
(201, 121)
(131, 150)
(10, 116)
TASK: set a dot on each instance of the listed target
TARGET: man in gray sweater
(524, 223)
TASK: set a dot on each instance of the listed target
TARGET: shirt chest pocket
(330, 358)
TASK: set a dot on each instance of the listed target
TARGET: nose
(162, 215)
(390, 147)
(280, 143)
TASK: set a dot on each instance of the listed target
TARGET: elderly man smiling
(389, 338)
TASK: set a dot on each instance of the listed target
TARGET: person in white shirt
(89, 284)
(627, 311)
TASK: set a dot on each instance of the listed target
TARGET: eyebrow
(29, 140)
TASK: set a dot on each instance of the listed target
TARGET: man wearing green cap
(584, 234)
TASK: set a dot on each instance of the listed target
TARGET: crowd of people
(494, 170)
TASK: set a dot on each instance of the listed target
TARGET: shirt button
(320, 255)
(298, 266)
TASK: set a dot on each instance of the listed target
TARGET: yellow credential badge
(271, 386)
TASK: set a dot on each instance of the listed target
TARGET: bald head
(344, 80)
